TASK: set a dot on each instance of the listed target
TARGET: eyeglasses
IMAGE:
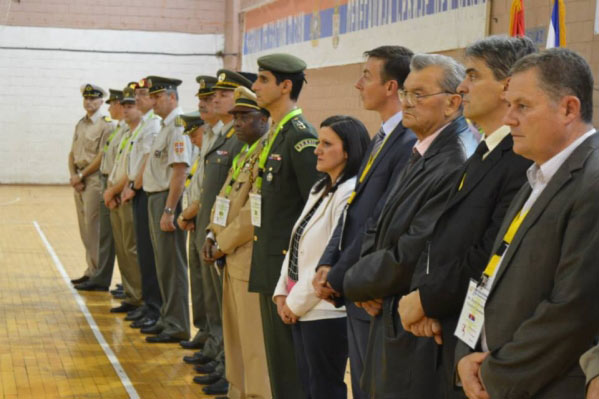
(413, 98)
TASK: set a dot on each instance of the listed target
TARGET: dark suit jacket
(398, 364)
(343, 249)
(543, 309)
(290, 174)
(461, 243)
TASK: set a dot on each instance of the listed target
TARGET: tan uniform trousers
(121, 219)
(87, 204)
(245, 356)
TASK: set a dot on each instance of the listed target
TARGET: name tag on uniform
(185, 199)
(256, 205)
(221, 211)
(472, 318)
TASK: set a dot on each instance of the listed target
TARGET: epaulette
(179, 121)
(107, 119)
(230, 133)
(299, 124)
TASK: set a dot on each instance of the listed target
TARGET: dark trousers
(150, 291)
(357, 335)
(280, 356)
(321, 355)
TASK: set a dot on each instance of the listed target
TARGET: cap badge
(222, 77)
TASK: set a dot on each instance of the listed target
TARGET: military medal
(269, 177)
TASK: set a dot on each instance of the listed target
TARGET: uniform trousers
(150, 291)
(121, 219)
(171, 269)
(245, 356)
(321, 353)
(198, 308)
(103, 275)
(88, 216)
(280, 355)
(358, 331)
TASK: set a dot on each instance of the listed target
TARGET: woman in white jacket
(319, 329)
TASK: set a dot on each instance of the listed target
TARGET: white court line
(11, 202)
(90, 320)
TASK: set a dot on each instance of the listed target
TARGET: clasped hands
(285, 313)
(414, 320)
(210, 252)
(77, 183)
(322, 287)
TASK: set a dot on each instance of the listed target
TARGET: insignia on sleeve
(107, 119)
(299, 124)
(179, 122)
(305, 143)
(179, 147)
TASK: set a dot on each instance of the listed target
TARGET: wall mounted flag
(556, 34)
(517, 18)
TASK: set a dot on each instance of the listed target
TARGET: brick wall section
(189, 16)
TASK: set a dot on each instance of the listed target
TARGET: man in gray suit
(539, 309)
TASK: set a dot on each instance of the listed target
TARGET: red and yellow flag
(517, 18)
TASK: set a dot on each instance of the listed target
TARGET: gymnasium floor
(47, 346)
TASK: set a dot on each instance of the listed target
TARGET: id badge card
(221, 211)
(185, 199)
(256, 205)
(472, 319)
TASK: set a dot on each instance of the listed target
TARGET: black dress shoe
(145, 322)
(120, 295)
(80, 280)
(136, 314)
(197, 358)
(124, 308)
(222, 397)
(191, 344)
(220, 387)
(89, 286)
(207, 368)
(207, 379)
(153, 329)
(116, 291)
(119, 286)
(161, 338)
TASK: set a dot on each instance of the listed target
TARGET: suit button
(284, 252)
(255, 238)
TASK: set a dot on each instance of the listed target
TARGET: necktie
(474, 162)
(415, 157)
(481, 149)
(378, 139)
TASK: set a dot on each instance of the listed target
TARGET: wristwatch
(169, 211)
(132, 185)
(80, 175)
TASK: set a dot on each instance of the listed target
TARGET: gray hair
(453, 71)
(500, 52)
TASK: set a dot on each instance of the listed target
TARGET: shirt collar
(542, 174)
(174, 113)
(225, 128)
(147, 115)
(218, 126)
(493, 139)
(97, 115)
(422, 146)
(390, 124)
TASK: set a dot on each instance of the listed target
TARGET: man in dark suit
(541, 311)
(464, 234)
(383, 75)
(398, 364)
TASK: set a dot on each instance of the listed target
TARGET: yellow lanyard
(462, 182)
(237, 166)
(507, 239)
(266, 150)
(371, 160)
(136, 133)
(192, 172)
(114, 132)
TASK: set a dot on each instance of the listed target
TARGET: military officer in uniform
(91, 132)
(121, 213)
(100, 281)
(211, 129)
(163, 180)
(217, 161)
(286, 173)
(230, 239)
(138, 151)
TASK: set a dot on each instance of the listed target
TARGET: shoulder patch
(179, 121)
(299, 124)
(305, 143)
(108, 119)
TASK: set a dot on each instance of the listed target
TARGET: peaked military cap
(159, 83)
(190, 121)
(128, 94)
(229, 80)
(206, 85)
(93, 91)
(282, 63)
(142, 84)
(114, 95)
(245, 101)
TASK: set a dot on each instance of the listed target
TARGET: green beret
(190, 121)
(159, 83)
(92, 91)
(230, 80)
(114, 95)
(281, 63)
(206, 85)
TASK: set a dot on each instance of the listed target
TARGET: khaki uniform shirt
(110, 148)
(169, 147)
(141, 142)
(210, 135)
(90, 135)
(121, 161)
(236, 239)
